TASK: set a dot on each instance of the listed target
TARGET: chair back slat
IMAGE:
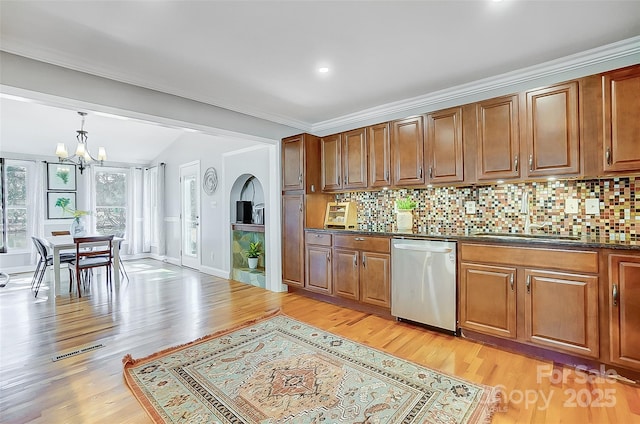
(92, 246)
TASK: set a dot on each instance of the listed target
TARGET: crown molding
(588, 58)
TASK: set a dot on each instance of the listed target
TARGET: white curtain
(35, 202)
(134, 226)
(160, 230)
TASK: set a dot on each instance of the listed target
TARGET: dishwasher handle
(423, 248)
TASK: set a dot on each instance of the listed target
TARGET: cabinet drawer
(321, 239)
(368, 243)
(569, 260)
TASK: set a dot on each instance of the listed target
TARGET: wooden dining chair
(93, 252)
(60, 233)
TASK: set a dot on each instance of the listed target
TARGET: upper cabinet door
(498, 154)
(622, 120)
(444, 146)
(553, 144)
(379, 155)
(354, 159)
(407, 151)
(331, 162)
(292, 163)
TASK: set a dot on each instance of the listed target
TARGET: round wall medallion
(210, 181)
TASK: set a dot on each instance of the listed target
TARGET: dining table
(59, 244)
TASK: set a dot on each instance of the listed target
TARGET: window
(15, 214)
(111, 200)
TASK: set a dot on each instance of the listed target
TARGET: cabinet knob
(511, 282)
(355, 261)
(420, 173)
(300, 207)
(607, 155)
(364, 261)
(328, 256)
(515, 163)
(530, 162)
(300, 178)
(386, 176)
(430, 172)
(614, 295)
(359, 239)
(528, 283)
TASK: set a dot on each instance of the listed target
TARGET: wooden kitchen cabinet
(542, 297)
(354, 159)
(621, 121)
(445, 158)
(344, 161)
(488, 299)
(561, 311)
(331, 169)
(407, 152)
(346, 271)
(301, 163)
(379, 155)
(293, 239)
(362, 269)
(498, 139)
(624, 310)
(318, 264)
(552, 131)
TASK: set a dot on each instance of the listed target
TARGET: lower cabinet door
(624, 310)
(375, 278)
(318, 269)
(488, 299)
(346, 273)
(561, 311)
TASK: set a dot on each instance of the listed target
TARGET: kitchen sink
(520, 236)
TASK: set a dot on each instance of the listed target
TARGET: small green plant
(405, 204)
(254, 250)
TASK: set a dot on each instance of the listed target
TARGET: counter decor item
(404, 214)
(340, 215)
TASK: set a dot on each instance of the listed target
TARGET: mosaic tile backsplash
(500, 208)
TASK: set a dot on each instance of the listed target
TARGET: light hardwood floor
(163, 306)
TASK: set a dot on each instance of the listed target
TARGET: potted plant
(253, 254)
(404, 214)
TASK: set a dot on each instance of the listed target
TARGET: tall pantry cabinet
(302, 205)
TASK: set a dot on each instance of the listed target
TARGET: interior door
(190, 214)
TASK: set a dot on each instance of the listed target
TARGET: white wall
(214, 220)
(262, 161)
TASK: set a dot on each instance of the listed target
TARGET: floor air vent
(76, 352)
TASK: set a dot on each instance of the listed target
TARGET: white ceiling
(261, 57)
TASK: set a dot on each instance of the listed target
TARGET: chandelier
(82, 157)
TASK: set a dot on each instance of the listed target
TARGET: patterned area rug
(279, 370)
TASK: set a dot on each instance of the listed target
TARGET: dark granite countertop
(535, 240)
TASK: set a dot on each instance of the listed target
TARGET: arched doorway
(247, 228)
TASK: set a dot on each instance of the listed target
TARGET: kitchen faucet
(528, 225)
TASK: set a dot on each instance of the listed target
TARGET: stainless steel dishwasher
(423, 282)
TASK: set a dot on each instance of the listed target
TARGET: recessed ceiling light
(323, 70)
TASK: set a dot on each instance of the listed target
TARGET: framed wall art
(59, 202)
(61, 176)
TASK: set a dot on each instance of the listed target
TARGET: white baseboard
(216, 272)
